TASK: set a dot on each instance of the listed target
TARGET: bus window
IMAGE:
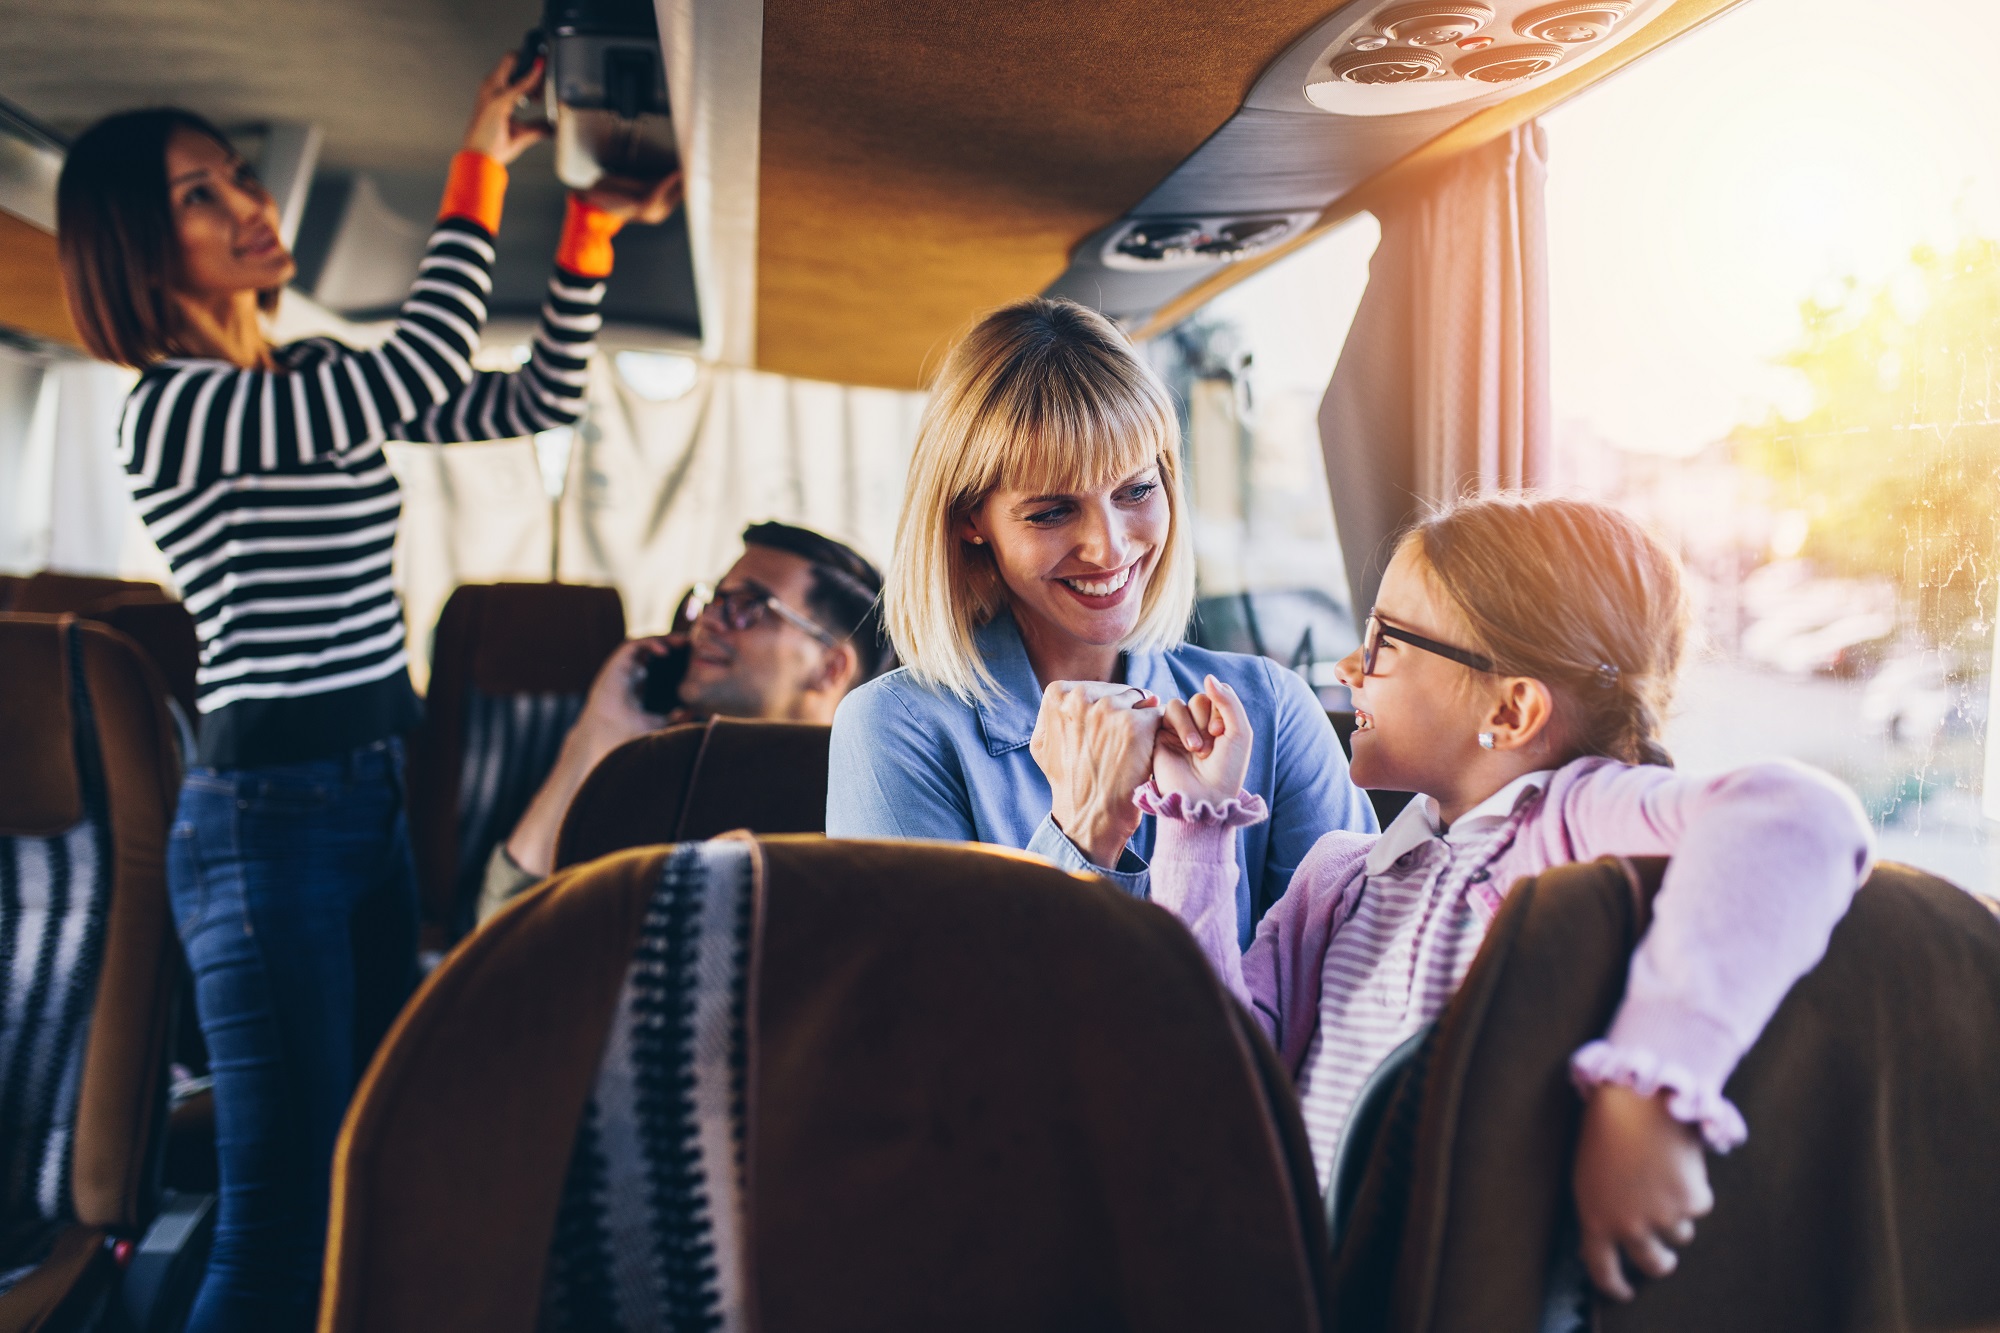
(1780, 348)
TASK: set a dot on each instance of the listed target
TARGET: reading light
(1162, 243)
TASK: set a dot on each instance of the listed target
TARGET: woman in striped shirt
(259, 471)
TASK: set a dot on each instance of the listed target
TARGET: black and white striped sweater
(270, 496)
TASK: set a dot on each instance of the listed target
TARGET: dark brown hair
(1575, 595)
(115, 235)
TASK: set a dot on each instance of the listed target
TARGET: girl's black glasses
(1377, 630)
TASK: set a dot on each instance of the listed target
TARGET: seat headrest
(541, 638)
(49, 593)
(41, 793)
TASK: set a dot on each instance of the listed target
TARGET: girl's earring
(1485, 740)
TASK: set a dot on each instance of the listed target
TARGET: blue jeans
(295, 897)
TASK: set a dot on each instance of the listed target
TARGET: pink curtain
(1442, 388)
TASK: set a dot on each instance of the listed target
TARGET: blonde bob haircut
(1044, 396)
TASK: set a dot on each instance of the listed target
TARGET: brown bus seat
(510, 667)
(1865, 1195)
(696, 781)
(966, 1090)
(48, 593)
(143, 612)
(87, 792)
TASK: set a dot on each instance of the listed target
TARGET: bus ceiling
(865, 176)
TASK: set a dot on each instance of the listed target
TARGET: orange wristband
(474, 190)
(586, 238)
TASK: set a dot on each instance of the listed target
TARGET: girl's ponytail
(1577, 596)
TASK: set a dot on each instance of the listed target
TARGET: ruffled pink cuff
(1244, 808)
(1706, 1109)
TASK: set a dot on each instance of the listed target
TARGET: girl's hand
(1094, 742)
(635, 200)
(1203, 750)
(493, 130)
(1641, 1182)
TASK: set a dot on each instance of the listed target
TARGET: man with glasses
(784, 635)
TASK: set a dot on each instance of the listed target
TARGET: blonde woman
(1041, 584)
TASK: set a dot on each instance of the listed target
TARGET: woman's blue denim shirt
(912, 762)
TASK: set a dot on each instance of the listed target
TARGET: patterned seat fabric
(54, 892)
(649, 1233)
(510, 744)
(511, 666)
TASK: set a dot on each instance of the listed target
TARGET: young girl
(1515, 670)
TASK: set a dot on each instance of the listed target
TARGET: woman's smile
(1100, 592)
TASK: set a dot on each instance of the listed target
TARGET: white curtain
(1442, 386)
(655, 497)
(657, 493)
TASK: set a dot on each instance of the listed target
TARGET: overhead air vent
(1393, 65)
(1400, 57)
(1572, 24)
(1167, 243)
(1509, 64)
(1433, 24)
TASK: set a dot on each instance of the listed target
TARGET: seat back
(88, 961)
(1870, 1098)
(511, 665)
(697, 781)
(917, 1087)
(143, 612)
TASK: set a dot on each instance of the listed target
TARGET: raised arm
(549, 390)
(1197, 794)
(191, 422)
(1311, 793)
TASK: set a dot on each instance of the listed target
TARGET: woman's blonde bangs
(1008, 412)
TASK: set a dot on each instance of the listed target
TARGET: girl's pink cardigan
(1765, 861)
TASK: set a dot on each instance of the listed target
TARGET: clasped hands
(1098, 743)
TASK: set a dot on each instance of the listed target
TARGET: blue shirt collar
(1007, 717)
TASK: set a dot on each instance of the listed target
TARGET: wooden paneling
(31, 299)
(926, 160)
(923, 162)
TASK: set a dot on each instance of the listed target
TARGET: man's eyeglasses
(1377, 630)
(744, 607)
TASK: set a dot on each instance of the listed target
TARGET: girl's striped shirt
(271, 498)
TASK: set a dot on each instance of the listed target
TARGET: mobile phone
(659, 686)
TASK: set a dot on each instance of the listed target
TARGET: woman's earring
(1485, 740)
(979, 541)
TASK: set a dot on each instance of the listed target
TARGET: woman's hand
(493, 130)
(1094, 742)
(1203, 748)
(636, 200)
(1641, 1182)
